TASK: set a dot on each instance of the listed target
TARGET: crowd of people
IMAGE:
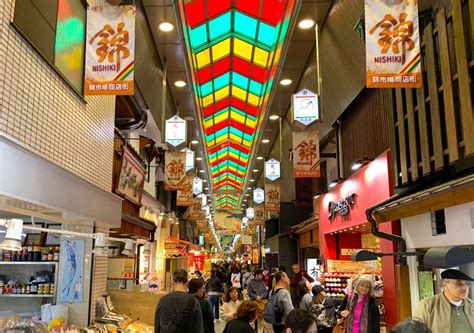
(258, 300)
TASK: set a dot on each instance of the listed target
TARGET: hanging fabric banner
(259, 212)
(272, 196)
(110, 50)
(184, 197)
(175, 172)
(306, 162)
(195, 212)
(392, 44)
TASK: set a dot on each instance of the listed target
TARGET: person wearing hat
(323, 309)
(451, 310)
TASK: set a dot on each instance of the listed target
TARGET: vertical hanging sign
(272, 169)
(184, 197)
(305, 107)
(259, 212)
(175, 172)
(272, 196)
(392, 44)
(258, 195)
(195, 212)
(175, 131)
(197, 185)
(110, 50)
(250, 213)
(189, 159)
(306, 162)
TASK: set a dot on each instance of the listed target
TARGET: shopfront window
(56, 29)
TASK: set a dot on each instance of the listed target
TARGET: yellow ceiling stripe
(237, 116)
(223, 116)
(222, 138)
(243, 49)
(247, 143)
(253, 99)
(220, 50)
(239, 93)
(234, 155)
(222, 93)
(203, 58)
(235, 137)
(260, 57)
(208, 100)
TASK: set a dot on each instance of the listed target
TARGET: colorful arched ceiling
(234, 48)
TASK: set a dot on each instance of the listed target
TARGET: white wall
(417, 229)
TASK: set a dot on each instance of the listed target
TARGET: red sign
(199, 262)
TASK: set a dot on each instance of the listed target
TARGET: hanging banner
(306, 162)
(189, 159)
(197, 185)
(203, 198)
(184, 197)
(196, 212)
(175, 131)
(226, 224)
(247, 239)
(272, 169)
(392, 44)
(272, 196)
(259, 218)
(110, 50)
(305, 107)
(175, 172)
(250, 213)
(258, 195)
(132, 176)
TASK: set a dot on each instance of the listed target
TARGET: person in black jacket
(246, 313)
(196, 289)
(214, 290)
(361, 309)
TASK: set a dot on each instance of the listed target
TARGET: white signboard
(272, 169)
(246, 239)
(175, 131)
(258, 195)
(245, 221)
(189, 159)
(250, 213)
(197, 185)
(203, 198)
(305, 107)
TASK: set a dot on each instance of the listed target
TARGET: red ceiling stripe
(216, 107)
(242, 67)
(195, 12)
(217, 127)
(220, 67)
(241, 127)
(229, 158)
(250, 7)
(237, 146)
(220, 146)
(217, 7)
(272, 11)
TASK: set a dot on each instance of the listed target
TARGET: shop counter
(135, 304)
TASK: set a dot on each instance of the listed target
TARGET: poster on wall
(272, 196)
(305, 107)
(110, 50)
(132, 177)
(175, 172)
(306, 161)
(184, 196)
(72, 271)
(393, 57)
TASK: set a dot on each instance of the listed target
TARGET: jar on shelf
(51, 288)
(56, 254)
(50, 254)
(44, 254)
(36, 253)
(29, 254)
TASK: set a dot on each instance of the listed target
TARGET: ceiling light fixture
(265, 141)
(166, 26)
(194, 142)
(204, 180)
(306, 24)
(334, 182)
(357, 165)
(189, 118)
(260, 158)
(249, 188)
(255, 170)
(202, 171)
(274, 117)
(252, 180)
(180, 84)
(286, 82)
(198, 158)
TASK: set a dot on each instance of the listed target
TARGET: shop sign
(272, 169)
(255, 256)
(272, 196)
(184, 196)
(306, 161)
(342, 207)
(258, 195)
(132, 177)
(250, 213)
(203, 198)
(392, 44)
(246, 239)
(110, 50)
(189, 159)
(305, 106)
(259, 218)
(346, 266)
(196, 212)
(175, 131)
(199, 263)
(175, 172)
(197, 185)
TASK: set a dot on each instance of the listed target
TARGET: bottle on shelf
(29, 254)
(50, 255)
(44, 254)
(56, 253)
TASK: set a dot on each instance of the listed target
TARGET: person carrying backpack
(279, 303)
(179, 312)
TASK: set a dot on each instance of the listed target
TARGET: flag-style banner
(184, 196)
(392, 44)
(259, 212)
(196, 211)
(272, 196)
(110, 50)
(306, 161)
(175, 170)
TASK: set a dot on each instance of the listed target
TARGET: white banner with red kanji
(110, 50)
(392, 44)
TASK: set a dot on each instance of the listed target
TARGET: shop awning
(304, 226)
(190, 245)
(449, 194)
